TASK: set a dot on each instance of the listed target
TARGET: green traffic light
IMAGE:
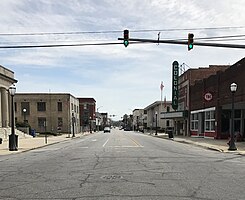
(126, 42)
(190, 46)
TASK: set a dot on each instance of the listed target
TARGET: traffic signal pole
(186, 43)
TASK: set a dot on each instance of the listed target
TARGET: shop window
(210, 120)
(194, 121)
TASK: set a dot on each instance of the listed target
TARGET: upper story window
(41, 106)
(85, 106)
(59, 105)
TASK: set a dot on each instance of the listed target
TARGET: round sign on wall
(208, 96)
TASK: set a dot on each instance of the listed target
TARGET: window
(168, 108)
(85, 107)
(59, 104)
(41, 122)
(210, 120)
(41, 106)
(194, 121)
(71, 106)
(60, 122)
(26, 106)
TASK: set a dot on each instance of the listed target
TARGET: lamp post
(156, 122)
(24, 112)
(90, 124)
(12, 136)
(232, 146)
(73, 125)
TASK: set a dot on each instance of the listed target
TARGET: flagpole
(161, 87)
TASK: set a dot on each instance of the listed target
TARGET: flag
(161, 86)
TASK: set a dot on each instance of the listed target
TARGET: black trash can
(1, 140)
(170, 132)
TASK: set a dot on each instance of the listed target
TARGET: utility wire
(119, 31)
(62, 45)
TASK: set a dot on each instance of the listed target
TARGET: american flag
(161, 86)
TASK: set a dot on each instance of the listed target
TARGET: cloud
(118, 78)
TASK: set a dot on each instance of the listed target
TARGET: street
(122, 165)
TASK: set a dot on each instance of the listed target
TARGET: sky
(119, 79)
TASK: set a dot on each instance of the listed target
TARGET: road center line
(105, 142)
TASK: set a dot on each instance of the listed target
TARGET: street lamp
(156, 122)
(12, 137)
(232, 146)
(24, 112)
(90, 124)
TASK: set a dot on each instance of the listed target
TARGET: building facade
(87, 114)
(181, 116)
(154, 115)
(6, 80)
(48, 112)
(138, 119)
(211, 100)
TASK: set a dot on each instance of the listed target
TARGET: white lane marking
(105, 142)
(126, 146)
(94, 140)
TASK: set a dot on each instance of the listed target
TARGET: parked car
(107, 130)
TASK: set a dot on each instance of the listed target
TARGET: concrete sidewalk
(208, 143)
(29, 143)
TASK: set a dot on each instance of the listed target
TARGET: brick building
(87, 114)
(210, 103)
(48, 112)
(187, 79)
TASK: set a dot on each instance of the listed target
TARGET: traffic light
(190, 41)
(125, 37)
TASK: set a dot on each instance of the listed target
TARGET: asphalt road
(122, 165)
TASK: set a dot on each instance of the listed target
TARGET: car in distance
(107, 130)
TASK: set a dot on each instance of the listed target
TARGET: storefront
(211, 104)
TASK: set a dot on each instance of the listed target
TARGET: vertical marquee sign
(175, 83)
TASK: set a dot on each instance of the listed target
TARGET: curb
(44, 145)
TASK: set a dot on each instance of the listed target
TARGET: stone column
(4, 107)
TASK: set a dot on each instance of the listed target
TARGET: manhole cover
(111, 177)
